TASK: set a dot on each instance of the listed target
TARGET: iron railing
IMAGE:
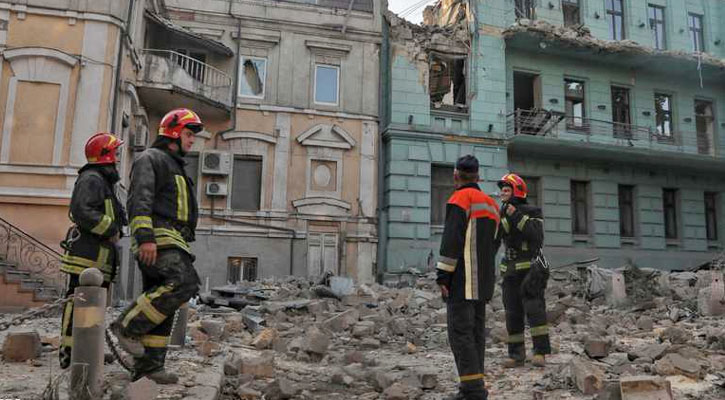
(555, 124)
(29, 254)
(202, 72)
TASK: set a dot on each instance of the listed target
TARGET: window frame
(711, 210)
(263, 79)
(570, 119)
(697, 34)
(612, 13)
(622, 129)
(574, 208)
(439, 187)
(527, 11)
(675, 210)
(572, 4)
(338, 81)
(653, 23)
(633, 208)
(670, 113)
(230, 197)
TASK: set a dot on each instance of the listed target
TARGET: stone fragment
(208, 348)
(234, 324)
(280, 389)
(233, 364)
(343, 379)
(645, 388)
(611, 391)
(370, 344)
(20, 346)
(398, 326)
(428, 379)
(316, 341)
(262, 366)
(597, 347)
(675, 364)
(265, 338)
(142, 389)
(396, 391)
(247, 393)
(342, 321)
(410, 348)
(363, 329)
(197, 336)
(342, 286)
(675, 335)
(587, 377)
(645, 323)
(213, 328)
(353, 357)
(652, 351)
(380, 380)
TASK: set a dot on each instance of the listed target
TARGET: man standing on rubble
(98, 218)
(525, 272)
(163, 212)
(466, 274)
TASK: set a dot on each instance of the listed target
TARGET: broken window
(620, 112)
(669, 207)
(626, 211)
(193, 62)
(657, 25)
(579, 208)
(441, 188)
(711, 215)
(447, 82)
(532, 184)
(246, 184)
(525, 9)
(241, 269)
(663, 114)
(705, 126)
(253, 75)
(575, 109)
(327, 84)
(695, 23)
(615, 17)
(571, 11)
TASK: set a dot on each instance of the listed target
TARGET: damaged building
(611, 110)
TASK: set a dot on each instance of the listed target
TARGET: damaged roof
(186, 34)
(357, 5)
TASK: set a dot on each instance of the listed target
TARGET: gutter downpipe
(235, 97)
(383, 118)
(119, 61)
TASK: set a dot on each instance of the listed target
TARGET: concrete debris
(20, 346)
(589, 378)
(645, 388)
(675, 364)
(597, 347)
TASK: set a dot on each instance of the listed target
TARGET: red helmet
(176, 120)
(101, 148)
(517, 185)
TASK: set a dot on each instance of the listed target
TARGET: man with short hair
(466, 274)
(163, 211)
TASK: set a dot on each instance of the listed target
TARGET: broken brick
(21, 346)
(596, 347)
(587, 377)
(265, 338)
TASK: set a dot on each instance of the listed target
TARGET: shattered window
(615, 18)
(571, 11)
(657, 25)
(711, 215)
(241, 269)
(447, 82)
(246, 184)
(579, 208)
(253, 73)
(441, 188)
(626, 211)
(663, 114)
(525, 9)
(327, 79)
(695, 24)
(575, 110)
(669, 207)
(621, 112)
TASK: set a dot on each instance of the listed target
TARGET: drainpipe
(383, 125)
(232, 127)
(119, 61)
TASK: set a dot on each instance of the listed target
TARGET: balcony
(551, 133)
(168, 73)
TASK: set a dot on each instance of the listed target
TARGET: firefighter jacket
(161, 201)
(467, 255)
(98, 216)
(522, 234)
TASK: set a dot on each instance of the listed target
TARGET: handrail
(202, 72)
(29, 254)
(31, 238)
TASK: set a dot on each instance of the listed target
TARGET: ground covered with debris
(317, 340)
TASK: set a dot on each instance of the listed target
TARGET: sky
(416, 15)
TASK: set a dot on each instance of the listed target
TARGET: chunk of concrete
(316, 342)
(342, 321)
(589, 378)
(645, 388)
(142, 389)
(645, 323)
(280, 389)
(265, 338)
(342, 286)
(261, 367)
(597, 347)
(21, 346)
(675, 364)
(215, 329)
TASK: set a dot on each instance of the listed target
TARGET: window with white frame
(327, 84)
(252, 73)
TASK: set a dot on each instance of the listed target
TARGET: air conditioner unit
(216, 163)
(140, 136)
(216, 189)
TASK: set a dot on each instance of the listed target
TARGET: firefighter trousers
(66, 322)
(520, 305)
(168, 284)
(466, 335)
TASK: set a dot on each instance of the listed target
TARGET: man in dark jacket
(98, 218)
(466, 274)
(525, 272)
(163, 211)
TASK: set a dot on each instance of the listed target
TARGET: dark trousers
(66, 322)
(466, 335)
(520, 305)
(168, 284)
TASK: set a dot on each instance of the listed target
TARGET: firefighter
(97, 218)
(163, 212)
(466, 274)
(524, 271)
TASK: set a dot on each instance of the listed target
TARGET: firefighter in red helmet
(98, 218)
(163, 212)
(524, 270)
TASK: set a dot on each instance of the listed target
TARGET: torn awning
(186, 34)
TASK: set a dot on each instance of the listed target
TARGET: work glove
(535, 281)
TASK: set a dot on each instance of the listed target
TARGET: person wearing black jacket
(525, 272)
(466, 274)
(163, 211)
(98, 218)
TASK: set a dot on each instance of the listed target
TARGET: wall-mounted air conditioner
(216, 163)
(216, 189)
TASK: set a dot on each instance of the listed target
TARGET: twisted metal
(29, 254)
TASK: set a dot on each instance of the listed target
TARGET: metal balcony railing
(204, 73)
(555, 124)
